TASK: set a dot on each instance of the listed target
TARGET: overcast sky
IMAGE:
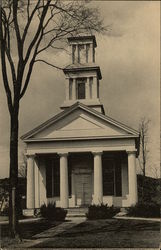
(129, 58)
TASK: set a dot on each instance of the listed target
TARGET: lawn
(114, 233)
(27, 230)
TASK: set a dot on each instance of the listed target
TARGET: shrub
(148, 189)
(144, 209)
(51, 212)
(102, 211)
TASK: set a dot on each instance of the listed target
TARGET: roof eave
(80, 138)
(68, 111)
(75, 38)
(74, 69)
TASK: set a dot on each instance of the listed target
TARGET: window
(52, 177)
(112, 177)
(108, 177)
(48, 178)
(56, 178)
(73, 53)
(118, 179)
(80, 89)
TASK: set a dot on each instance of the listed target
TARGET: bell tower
(83, 74)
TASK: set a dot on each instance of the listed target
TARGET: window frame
(117, 183)
(79, 82)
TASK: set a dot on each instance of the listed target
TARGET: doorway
(83, 184)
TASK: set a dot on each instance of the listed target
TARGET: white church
(81, 156)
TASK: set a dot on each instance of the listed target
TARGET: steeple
(83, 74)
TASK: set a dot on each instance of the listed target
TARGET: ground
(27, 230)
(113, 233)
(109, 233)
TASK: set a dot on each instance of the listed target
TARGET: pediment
(80, 122)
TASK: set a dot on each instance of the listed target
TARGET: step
(77, 212)
(75, 215)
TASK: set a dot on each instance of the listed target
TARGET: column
(72, 53)
(30, 182)
(98, 184)
(132, 177)
(74, 96)
(88, 88)
(37, 189)
(94, 88)
(64, 193)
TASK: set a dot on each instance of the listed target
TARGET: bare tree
(52, 21)
(144, 152)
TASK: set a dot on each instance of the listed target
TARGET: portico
(84, 185)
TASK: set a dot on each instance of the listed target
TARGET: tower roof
(78, 67)
(82, 38)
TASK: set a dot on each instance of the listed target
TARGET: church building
(81, 156)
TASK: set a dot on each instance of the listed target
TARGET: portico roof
(79, 122)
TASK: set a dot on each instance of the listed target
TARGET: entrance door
(83, 183)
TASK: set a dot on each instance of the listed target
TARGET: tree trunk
(13, 190)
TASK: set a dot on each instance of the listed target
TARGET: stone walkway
(137, 218)
(50, 233)
(4, 221)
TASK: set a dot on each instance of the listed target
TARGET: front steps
(77, 212)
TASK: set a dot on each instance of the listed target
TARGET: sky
(129, 58)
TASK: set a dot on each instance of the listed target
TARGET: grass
(26, 230)
(113, 233)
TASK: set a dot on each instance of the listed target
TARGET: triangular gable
(79, 121)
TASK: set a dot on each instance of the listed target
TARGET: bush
(51, 212)
(144, 209)
(148, 189)
(102, 211)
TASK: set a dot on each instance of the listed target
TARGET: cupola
(83, 74)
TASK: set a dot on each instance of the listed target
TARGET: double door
(83, 184)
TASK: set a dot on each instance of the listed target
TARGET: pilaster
(94, 88)
(74, 89)
(88, 88)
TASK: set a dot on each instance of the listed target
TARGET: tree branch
(29, 20)
(31, 66)
(38, 30)
(16, 25)
(50, 64)
(4, 69)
